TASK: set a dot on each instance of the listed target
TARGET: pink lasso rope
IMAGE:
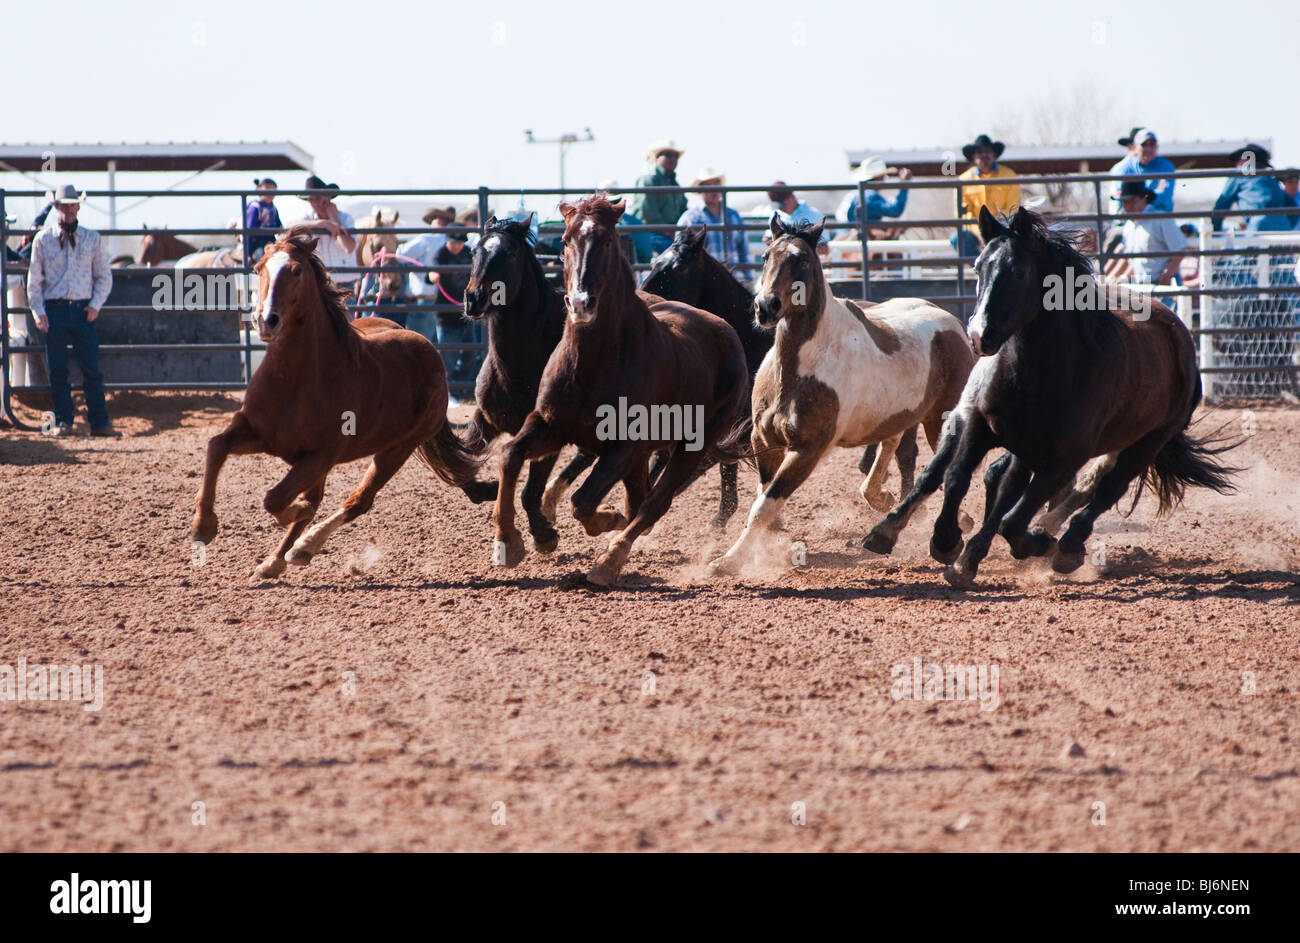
(384, 254)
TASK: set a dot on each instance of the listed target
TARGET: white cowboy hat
(871, 168)
(663, 144)
(65, 194)
(708, 175)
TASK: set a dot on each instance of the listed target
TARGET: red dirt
(475, 685)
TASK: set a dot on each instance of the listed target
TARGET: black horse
(686, 272)
(1056, 386)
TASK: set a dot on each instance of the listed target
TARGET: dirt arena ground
(392, 694)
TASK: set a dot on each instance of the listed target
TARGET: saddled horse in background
(839, 376)
(616, 349)
(686, 272)
(1116, 377)
(330, 391)
(158, 245)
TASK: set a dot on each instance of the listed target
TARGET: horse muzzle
(581, 309)
(475, 306)
(268, 328)
(767, 310)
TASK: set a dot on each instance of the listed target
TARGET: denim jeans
(68, 325)
(424, 322)
(462, 365)
(969, 245)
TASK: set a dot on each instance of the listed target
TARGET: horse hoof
(946, 556)
(1065, 562)
(298, 557)
(204, 530)
(725, 566)
(509, 554)
(1036, 543)
(959, 577)
(603, 574)
(269, 568)
(878, 542)
(546, 543)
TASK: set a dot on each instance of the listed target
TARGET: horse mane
(804, 230)
(301, 243)
(522, 230)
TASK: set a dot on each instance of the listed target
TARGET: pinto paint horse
(330, 391)
(686, 272)
(1057, 388)
(839, 375)
(618, 349)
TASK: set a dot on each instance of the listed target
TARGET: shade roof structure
(155, 157)
(1058, 159)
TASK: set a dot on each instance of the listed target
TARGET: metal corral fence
(1244, 308)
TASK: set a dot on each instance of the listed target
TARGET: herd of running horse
(779, 378)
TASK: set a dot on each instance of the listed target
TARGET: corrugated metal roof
(171, 156)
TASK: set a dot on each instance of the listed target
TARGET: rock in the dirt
(1073, 750)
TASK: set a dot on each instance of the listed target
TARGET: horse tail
(1185, 460)
(451, 458)
(734, 445)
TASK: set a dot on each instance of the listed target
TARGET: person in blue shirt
(731, 248)
(261, 214)
(1291, 187)
(792, 211)
(878, 207)
(1144, 158)
(1252, 191)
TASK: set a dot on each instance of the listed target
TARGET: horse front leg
(482, 432)
(534, 440)
(1038, 542)
(976, 441)
(884, 535)
(238, 439)
(728, 497)
(617, 463)
(1004, 483)
(873, 488)
(545, 536)
(383, 466)
(563, 481)
(796, 466)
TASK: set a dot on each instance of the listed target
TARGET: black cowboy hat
(316, 183)
(1135, 188)
(1126, 141)
(1262, 156)
(983, 141)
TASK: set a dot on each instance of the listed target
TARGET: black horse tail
(451, 458)
(734, 445)
(1185, 461)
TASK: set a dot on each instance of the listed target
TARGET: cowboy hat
(1126, 141)
(871, 168)
(709, 176)
(1262, 156)
(982, 141)
(663, 144)
(1135, 188)
(467, 214)
(316, 183)
(66, 194)
(1145, 134)
(446, 213)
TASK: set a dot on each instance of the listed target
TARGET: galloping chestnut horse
(619, 353)
(839, 376)
(1117, 378)
(686, 272)
(329, 392)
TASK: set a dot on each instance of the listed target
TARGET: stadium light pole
(564, 141)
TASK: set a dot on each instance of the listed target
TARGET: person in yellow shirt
(1001, 200)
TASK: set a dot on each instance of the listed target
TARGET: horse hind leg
(562, 482)
(872, 489)
(1004, 483)
(884, 535)
(382, 467)
(1128, 464)
(729, 497)
(1081, 493)
(905, 458)
(305, 506)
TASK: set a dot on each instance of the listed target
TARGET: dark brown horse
(158, 245)
(618, 359)
(330, 391)
(1056, 386)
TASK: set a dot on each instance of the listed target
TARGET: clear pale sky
(424, 95)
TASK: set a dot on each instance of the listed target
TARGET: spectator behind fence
(1144, 158)
(68, 283)
(335, 245)
(1001, 200)
(659, 209)
(261, 214)
(642, 242)
(1291, 187)
(877, 206)
(1252, 191)
(1146, 235)
(792, 211)
(453, 327)
(420, 287)
(731, 247)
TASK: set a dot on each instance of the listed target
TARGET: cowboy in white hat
(876, 206)
(730, 247)
(659, 209)
(68, 283)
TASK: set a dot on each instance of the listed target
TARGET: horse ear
(619, 209)
(814, 235)
(694, 236)
(778, 227)
(990, 228)
(491, 221)
(567, 210)
(1022, 224)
